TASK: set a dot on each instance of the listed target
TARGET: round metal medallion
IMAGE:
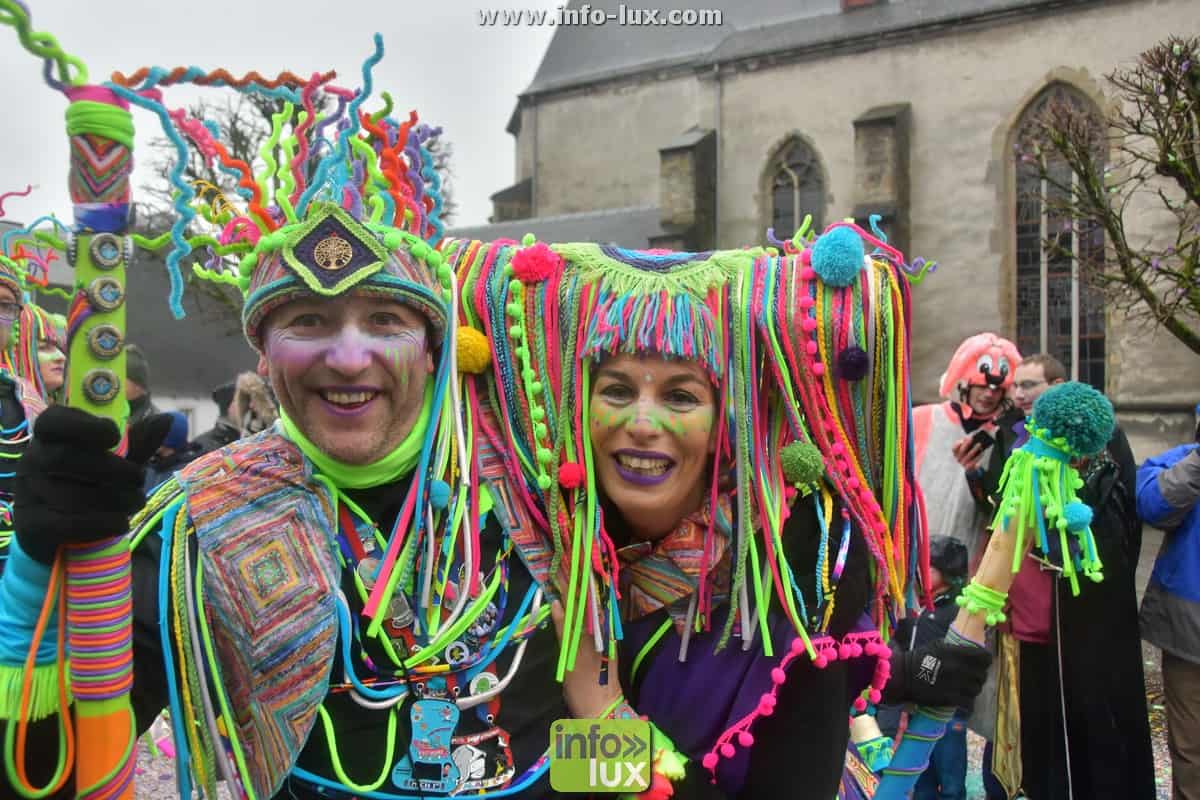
(104, 341)
(105, 294)
(101, 385)
(332, 253)
(106, 251)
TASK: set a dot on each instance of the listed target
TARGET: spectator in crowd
(1168, 491)
(173, 453)
(225, 430)
(254, 406)
(137, 385)
(1083, 731)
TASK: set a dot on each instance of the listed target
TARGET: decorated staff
(1039, 509)
(96, 602)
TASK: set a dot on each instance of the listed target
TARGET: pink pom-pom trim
(570, 475)
(536, 263)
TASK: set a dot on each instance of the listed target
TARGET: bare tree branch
(1145, 155)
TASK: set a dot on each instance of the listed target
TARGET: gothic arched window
(1057, 313)
(797, 188)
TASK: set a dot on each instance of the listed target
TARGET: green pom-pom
(515, 331)
(544, 482)
(538, 413)
(545, 456)
(1076, 413)
(528, 239)
(392, 240)
(802, 463)
(515, 310)
(419, 251)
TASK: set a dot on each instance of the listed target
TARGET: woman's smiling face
(652, 431)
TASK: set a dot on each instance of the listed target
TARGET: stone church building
(701, 137)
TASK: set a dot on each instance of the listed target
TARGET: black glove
(937, 674)
(146, 436)
(70, 487)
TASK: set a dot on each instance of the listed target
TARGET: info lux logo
(596, 755)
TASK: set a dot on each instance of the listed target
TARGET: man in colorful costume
(331, 607)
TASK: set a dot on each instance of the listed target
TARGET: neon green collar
(394, 465)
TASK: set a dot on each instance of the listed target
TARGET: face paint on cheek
(403, 351)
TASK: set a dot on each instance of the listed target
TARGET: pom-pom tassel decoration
(1039, 485)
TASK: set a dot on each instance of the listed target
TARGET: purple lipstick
(640, 467)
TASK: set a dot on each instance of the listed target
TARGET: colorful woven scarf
(667, 572)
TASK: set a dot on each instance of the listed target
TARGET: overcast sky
(437, 59)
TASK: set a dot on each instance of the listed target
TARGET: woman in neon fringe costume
(718, 445)
(39, 351)
(20, 400)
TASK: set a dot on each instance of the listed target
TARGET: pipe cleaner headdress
(808, 349)
(984, 359)
(357, 210)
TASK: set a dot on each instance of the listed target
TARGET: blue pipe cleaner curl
(183, 196)
(340, 152)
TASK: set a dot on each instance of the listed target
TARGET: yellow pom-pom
(474, 355)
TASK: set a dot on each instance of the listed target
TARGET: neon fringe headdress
(809, 351)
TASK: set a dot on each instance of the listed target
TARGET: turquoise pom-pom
(439, 494)
(1077, 413)
(1078, 516)
(837, 257)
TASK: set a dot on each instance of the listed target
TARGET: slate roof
(583, 54)
(625, 227)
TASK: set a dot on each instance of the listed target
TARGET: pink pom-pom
(831, 653)
(808, 273)
(727, 750)
(778, 676)
(818, 369)
(845, 651)
(806, 259)
(811, 347)
(838, 448)
(805, 302)
(809, 324)
(536, 263)
(709, 762)
(856, 649)
(875, 695)
(570, 475)
(768, 699)
(746, 739)
(872, 648)
(765, 710)
(797, 646)
(853, 484)
(860, 704)
(821, 662)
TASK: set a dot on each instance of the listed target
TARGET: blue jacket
(1168, 497)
